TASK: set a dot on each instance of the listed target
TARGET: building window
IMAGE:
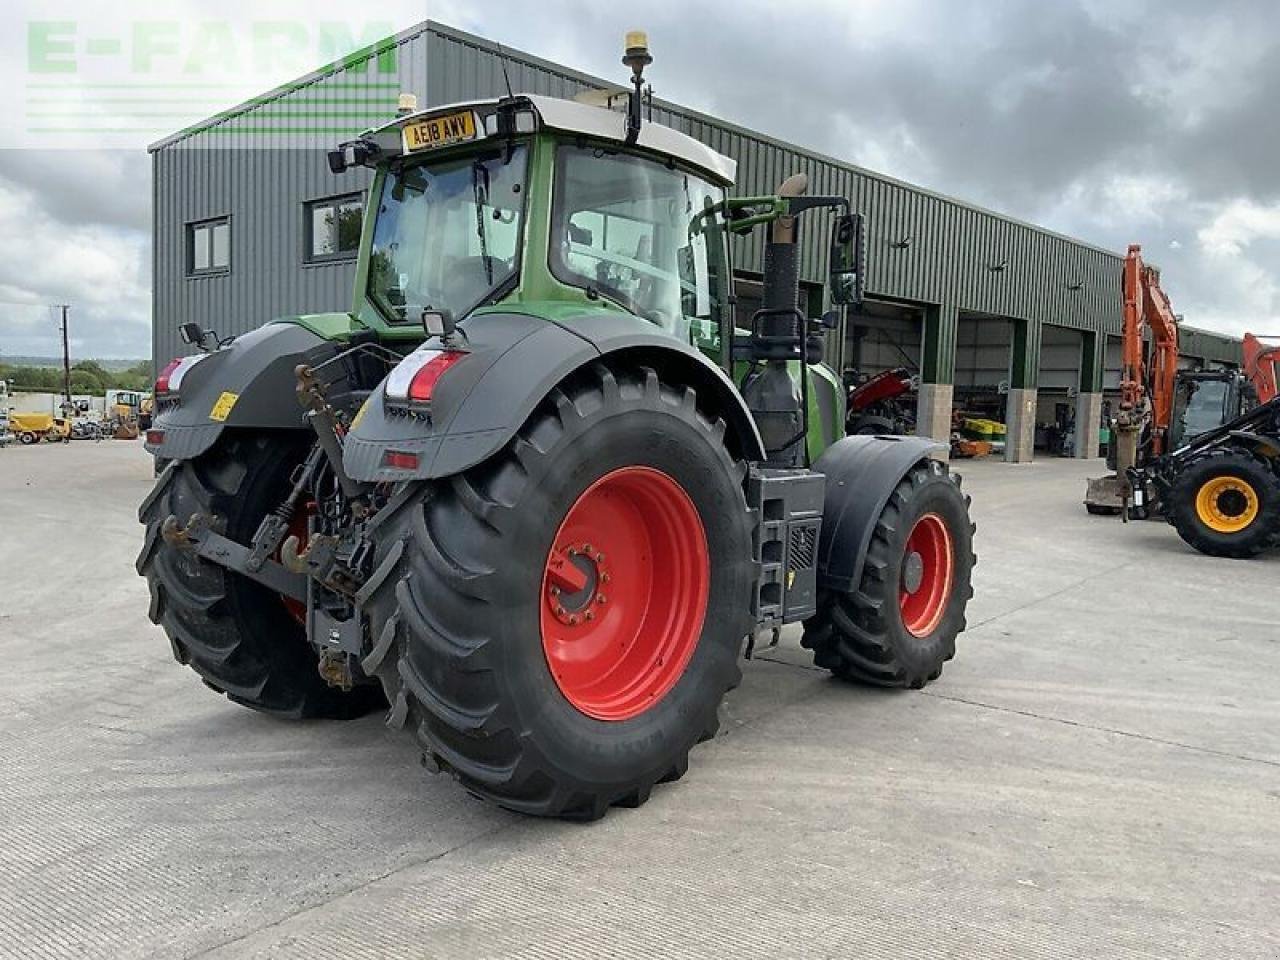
(333, 228)
(209, 247)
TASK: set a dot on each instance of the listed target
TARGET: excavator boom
(1260, 362)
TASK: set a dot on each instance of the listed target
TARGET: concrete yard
(1097, 774)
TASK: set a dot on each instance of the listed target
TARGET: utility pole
(66, 357)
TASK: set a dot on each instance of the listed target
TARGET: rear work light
(170, 378)
(414, 379)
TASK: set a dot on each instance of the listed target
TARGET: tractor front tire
(238, 636)
(1227, 505)
(559, 624)
(899, 625)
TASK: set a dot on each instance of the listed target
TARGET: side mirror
(847, 268)
(191, 333)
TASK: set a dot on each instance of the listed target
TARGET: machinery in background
(883, 404)
(31, 428)
(5, 436)
(1161, 407)
(1221, 490)
(123, 416)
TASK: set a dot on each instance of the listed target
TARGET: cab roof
(591, 121)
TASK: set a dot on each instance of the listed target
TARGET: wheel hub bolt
(600, 598)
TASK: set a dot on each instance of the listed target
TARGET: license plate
(440, 131)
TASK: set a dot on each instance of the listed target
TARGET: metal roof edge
(1215, 334)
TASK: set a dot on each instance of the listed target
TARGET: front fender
(861, 473)
(515, 359)
(248, 383)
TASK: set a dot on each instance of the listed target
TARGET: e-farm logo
(122, 84)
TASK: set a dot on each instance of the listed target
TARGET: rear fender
(861, 473)
(515, 360)
(248, 383)
(1256, 443)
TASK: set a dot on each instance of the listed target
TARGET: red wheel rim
(928, 571)
(624, 593)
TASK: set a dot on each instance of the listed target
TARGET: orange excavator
(1162, 407)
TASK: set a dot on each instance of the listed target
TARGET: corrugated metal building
(250, 224)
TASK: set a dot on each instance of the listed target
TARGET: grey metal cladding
(251, 164)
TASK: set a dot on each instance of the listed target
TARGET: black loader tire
(1184, 513)
(234, 633)
(456, 600)
(861, 635)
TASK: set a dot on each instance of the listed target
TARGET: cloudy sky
(1153, 122)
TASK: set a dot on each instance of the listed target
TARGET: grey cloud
(79, 187)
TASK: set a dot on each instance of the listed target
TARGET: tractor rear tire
(237, 635)
(1227, 505)
(496, 638)
(899, 626)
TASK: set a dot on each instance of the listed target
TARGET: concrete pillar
(933, 411)
(1088, 423)
(1093, 347)
(1020, 424)
(1020, 410)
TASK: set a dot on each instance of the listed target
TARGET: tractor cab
(529, 199)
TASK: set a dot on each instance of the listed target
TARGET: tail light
(400, 460)
(414, 379)
(171, 376)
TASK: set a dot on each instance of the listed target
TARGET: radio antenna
(502, 59)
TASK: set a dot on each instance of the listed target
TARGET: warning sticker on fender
(222, 406)
(364, 407)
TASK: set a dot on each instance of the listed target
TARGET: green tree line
(87, 376)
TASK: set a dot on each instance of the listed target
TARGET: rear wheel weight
(1226, 504)
(899, 625)
(484, 663)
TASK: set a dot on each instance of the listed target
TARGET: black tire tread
(1181, 506)
(208, 613)
(848, 634)
(439, 671)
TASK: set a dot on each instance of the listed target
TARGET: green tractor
(535, 492)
